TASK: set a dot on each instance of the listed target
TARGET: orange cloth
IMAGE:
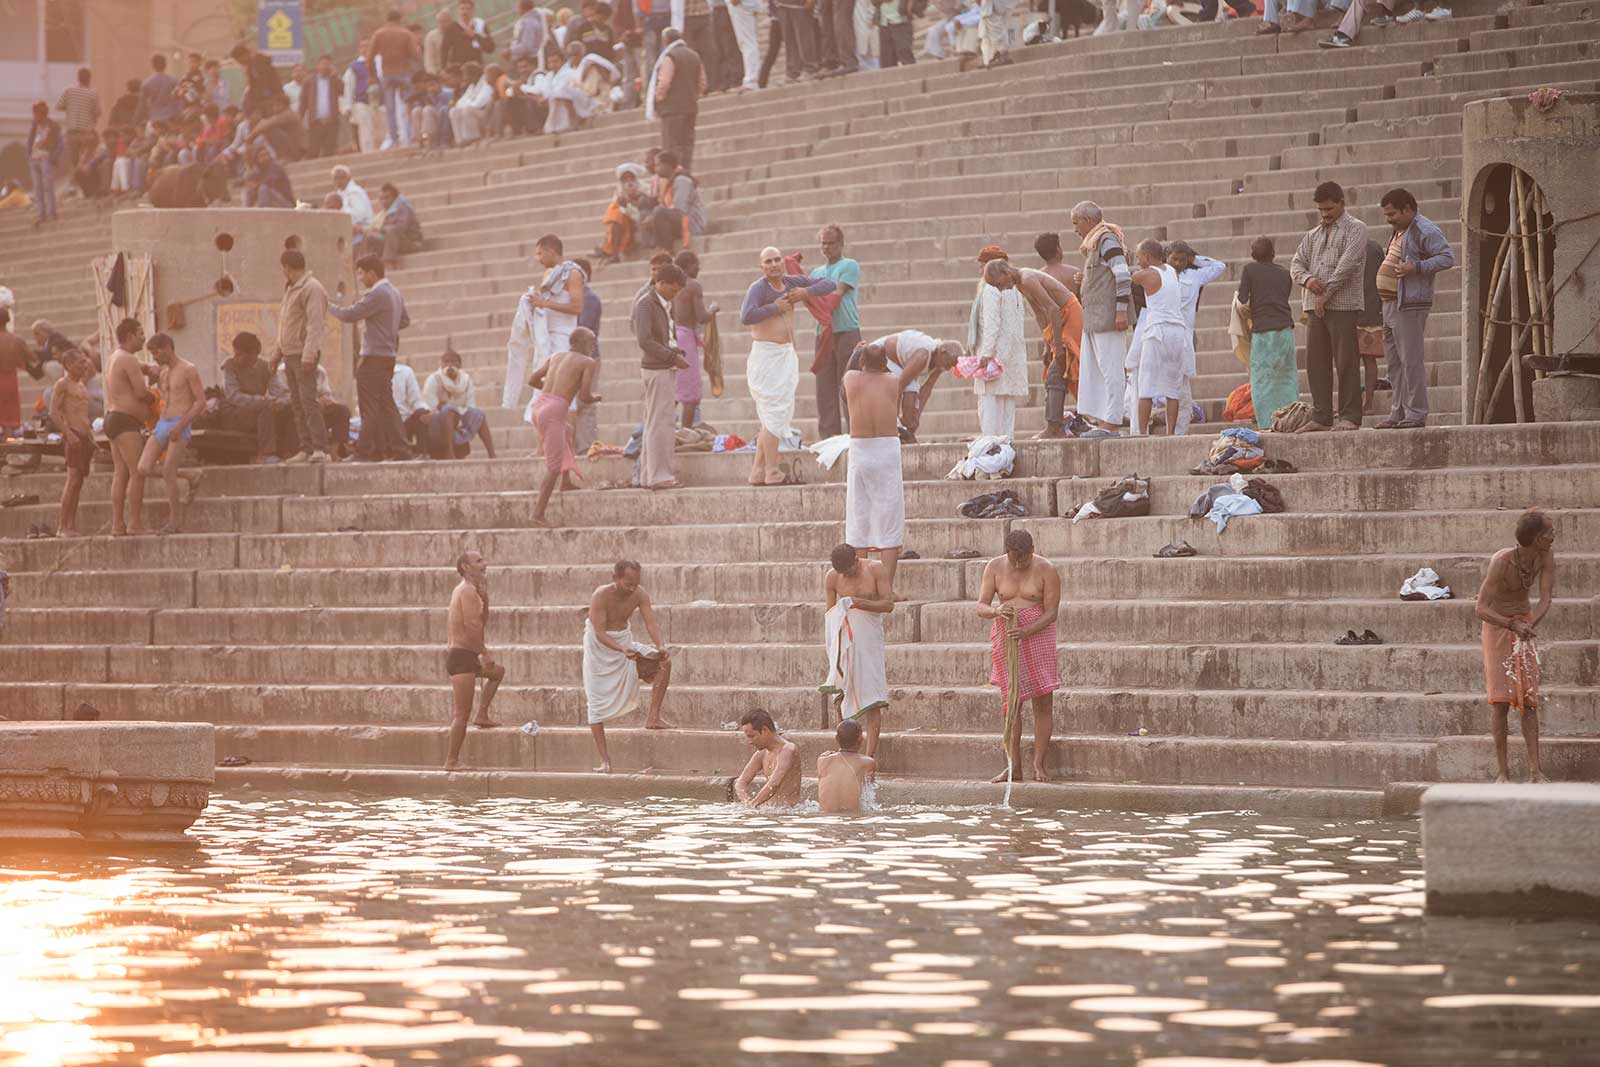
(1240, 408)
(1072, 320)
(629, 231)
(1510, 668)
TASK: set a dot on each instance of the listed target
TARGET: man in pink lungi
(1029, 593)
(690, 316)
(1510, 658)
(567, 374)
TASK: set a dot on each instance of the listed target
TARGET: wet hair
(127, 328)
(875, 357)
(293, 258)
(623, 566)
(848, 735)
(688, 262)
(1532, 523)
(246, 343)
(1048, 246)
(1329, 192)
(1019, 543)
(760, 720)
(550, 241)
(1399, 199)
(842, 558)
(671, 275)
(160, 340)
(372, 264)
(996, 270)
(1153, 249)
(1262, 250)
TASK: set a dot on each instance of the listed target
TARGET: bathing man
(568, 374)
(917, 360)
(841, 775)
(1510, 662)
(875, 492)
(614, 663)
(466, 659)
(1029, 591)
(776, 759)
(128, 400)
(183, 398)
(773, 370)
(858, 597)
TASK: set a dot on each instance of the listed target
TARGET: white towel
(874, 495)
(773, 374)
(829, 449)
(610, 679)
(519, 349)
(855, 658)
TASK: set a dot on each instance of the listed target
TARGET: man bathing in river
(614, 663)
(1510, 661)
(842, 775)
(183, 398)
(1029, 591)
(774, 758)
(567, 375)
(466, 659)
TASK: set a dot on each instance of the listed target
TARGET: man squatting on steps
(773, 370)
(466, 659)
(567, 375)
(1510, 660)
(1030, 595)
(614, 663)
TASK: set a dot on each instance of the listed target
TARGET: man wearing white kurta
(1105, 290)
(546, 317)
(1000, 340)
(773, 369)
(613, 662)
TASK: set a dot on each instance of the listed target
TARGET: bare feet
(1313, 427)
(486, 724)
(604, 768)
(1050, 435)
(664, 485)
(1344, 426)
(168, 528)
(1502, 778)
(194, 488)
(540, 523)
(1039, 774)
(452, 765)
(1537, 777)
(131, 532)
(118, 533)
(68, 533)
(1003, 775)
(660, 724)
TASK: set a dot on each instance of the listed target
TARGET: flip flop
(962, 553)
(1349, 638)
(1176, 550)
(20, 500)
(1370, 638)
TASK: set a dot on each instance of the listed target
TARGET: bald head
(772, 262)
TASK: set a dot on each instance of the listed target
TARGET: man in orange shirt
(397, 48)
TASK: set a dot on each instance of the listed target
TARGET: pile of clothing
(1236, 449)
(1001, 505)
(1125, 498)
(1235, 497)
(1424, 585)
(989, 456)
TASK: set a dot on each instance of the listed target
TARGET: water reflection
(355, 933)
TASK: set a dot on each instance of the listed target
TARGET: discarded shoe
(1370, 638)
(1278, 466)
(1176, 550)
(1350, 638)
(20, 500)
(236, 761)
(911, 553)
(962, 553)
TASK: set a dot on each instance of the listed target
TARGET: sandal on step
(1176, 550)
(1370, 638)
(1349, 638)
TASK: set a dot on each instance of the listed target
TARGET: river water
(333, 933)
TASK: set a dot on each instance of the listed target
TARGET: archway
(1512, 226)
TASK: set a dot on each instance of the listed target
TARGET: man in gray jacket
(382, 314)
(660, 360)
(1416, 251)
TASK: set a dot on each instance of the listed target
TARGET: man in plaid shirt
(1328, 267)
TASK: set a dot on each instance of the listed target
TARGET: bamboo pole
(1490, 311)
(1504, 377)
(1514, 353)
(1530, 276)
(1546, 292)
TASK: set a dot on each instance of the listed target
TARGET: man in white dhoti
(773, 369)
(999, 340)
(875, 494)
(546, 317)
(1105, 290)
(571, 107)
(1161, 349)
(614, 663)
(858, 597)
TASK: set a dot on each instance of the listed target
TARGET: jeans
(44, 188)
(382, 435)
(302, 379)
(395, 88)
(1330, 352)
(1305, 8)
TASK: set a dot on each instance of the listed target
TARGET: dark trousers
(894, 46)
(697, 31)
(839, 21)
(1055, 395)
(302, 378)
(677, 136)
(335, 416)
(829, 375)
(799, 41)
(322, 138)
(1330, 353)
(252, 414)
(382, 435)
(728, 71)
(774, 46)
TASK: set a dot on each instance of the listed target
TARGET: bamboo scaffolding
(1491, 311)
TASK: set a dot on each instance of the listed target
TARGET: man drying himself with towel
(775, 759)
(466, 659)
(1510, 660)
(614, 663)
(773, 370)
(843, 775)
(1029, 590)
(917, 360)
(568, 374)
(859, 597)
(875, 493)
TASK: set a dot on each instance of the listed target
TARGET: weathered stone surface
(1512, 849)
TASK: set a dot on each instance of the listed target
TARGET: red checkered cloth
(1040, 673)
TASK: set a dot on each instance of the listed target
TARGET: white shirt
(407, 395)
(357, 204)
(439, 390)
(480, 96)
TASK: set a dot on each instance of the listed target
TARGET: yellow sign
(261, 319)
(280, 30)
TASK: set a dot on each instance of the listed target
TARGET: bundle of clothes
(1123, 499)
(990, 456)
(1235, 497)
(1002, 505)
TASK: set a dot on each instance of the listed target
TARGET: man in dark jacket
(678, 83)
(261, 76)
(1415, 252)
(319, 109)
(660, 360)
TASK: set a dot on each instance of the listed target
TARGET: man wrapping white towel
(773, 374)
(874, 495)
(610, 679)
(855, 659)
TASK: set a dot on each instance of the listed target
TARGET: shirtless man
(566, 375)
(183, 398)
(773, 369)
(841, 775)
(466, 659)
(774, 758)
(614, 663)
(128, 400)
(1510, 666)
(69, 413)
(866, 583)
(875, 493)
(918, 360)
(1029, 593)
(1061, 376)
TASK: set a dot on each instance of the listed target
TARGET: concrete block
(1525, 850)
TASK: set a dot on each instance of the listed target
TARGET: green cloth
(1274, 378)
(843, 273)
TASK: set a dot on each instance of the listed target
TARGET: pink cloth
(688, 389)
(1037, 662)
(550, 418)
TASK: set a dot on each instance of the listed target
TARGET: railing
(338, 33)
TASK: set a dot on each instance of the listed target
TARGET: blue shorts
(164, 428)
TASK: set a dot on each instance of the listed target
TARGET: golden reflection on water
(343, 933)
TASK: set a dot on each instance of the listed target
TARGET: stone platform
(103, 782)
(1528, 850)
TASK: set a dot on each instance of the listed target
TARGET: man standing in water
(614, 663)
(466, 659)
(774, 758)
(875, 493)
(128, 401)
(773, 370)
(567, 375)
(1029, 591)
(1510, 660)
(183, 398)
(842, 775)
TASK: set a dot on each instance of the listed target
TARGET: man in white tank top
(917, 360)
(1161, 360)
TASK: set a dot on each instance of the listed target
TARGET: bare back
(1061, 273)
(686, 305)
(565, 373)
(125, 388)
(1045, 293)
(874, 401)
(840, 776)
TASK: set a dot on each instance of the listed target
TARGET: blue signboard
(280, 30)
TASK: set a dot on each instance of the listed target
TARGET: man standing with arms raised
(773, 370)
(839, 340)
(382, 314)
(466, 657)
(128, 400)
(1105, 287)
(875, 496)
(301, 325)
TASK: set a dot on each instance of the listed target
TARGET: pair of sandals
(1366, 637)
(1176, 550)
(20, 500)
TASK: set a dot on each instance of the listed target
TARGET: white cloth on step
(610, 679)
(829, 449)
(1425, 582)
(855, 658)
(773, 373)
(986, 455)
(874, 495)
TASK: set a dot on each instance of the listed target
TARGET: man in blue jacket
(1416, 251)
